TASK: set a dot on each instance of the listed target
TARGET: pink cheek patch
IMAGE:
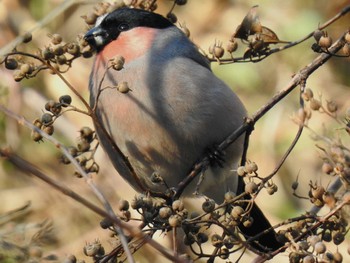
(130, 44)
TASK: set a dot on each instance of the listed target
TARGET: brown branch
(312, 228)
(297, 79)
(29, 168)
(342, 13)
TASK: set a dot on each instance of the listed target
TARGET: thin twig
(311, 229)
(297, 79)
(80, 170)
(342, 13)
(29, 168)
(42, 23)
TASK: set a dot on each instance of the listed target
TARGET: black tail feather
(265, 242)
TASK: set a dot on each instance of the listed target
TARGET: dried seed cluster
(83, 152)
(45, 123)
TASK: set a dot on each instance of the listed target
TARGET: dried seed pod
(93, 249)
(46, 119)
(81, 160)
(312, 240)
(90, 18)
(178, 205)
(36, 136)
(73, 151)
(118, 62)
(87, 134)
(229, 196)
(49, 105)
(251, 187)
(47, 53)
(272, 188)
(56, 109)
(189, 239)
(18, 75)
(224, 253)
(65, 100)
(307, 94)
(318, 192)
(94, 168)
(337, 257)
(61, 59)
(11, 63)
(171, 17)
(325, 41)
(73, 49)
(237, 212)
(247, 222)
(320, 247)
(37, 123)
(58, 50)
(175, 220)
(329, 199)
(26, 69)
(123, 205)
(241, 171)
(327, 235)
(303, 245)
(309, 259)
(216, 240)
(218, 51)
(315, 104)
(123, 87)
(49, 129)
(27, 37)
(202, 237)
(136, 203)
(83, 146)
(251, 167)
(232, 46)
(70, 259)
(56, 39)
(208, 205)
(338, 238)
(229, 242)
(327, 168)
(318, 34)
(346, 49)
(347, 37)
(295, 185)
(180, 2)
(165, 212)
(86, 52)
(332, 106)
(35, 252)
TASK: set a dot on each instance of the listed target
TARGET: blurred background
(255, 83)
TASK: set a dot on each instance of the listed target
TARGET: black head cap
(123, 19)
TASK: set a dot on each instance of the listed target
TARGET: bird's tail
(264, 242)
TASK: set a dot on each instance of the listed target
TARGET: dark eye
(123, 27)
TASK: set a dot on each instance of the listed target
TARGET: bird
(175, 110)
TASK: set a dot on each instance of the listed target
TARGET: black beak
(97, 38)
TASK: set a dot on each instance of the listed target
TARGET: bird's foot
(215, 156)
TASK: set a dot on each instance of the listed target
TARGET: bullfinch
(174, 111)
